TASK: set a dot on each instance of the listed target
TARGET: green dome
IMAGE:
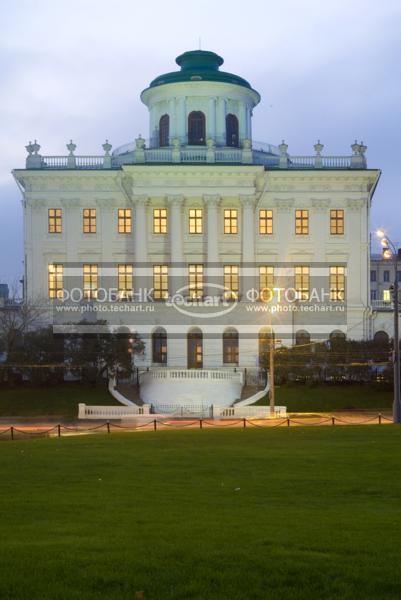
(199, 65)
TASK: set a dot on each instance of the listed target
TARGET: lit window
(195, 276)
(160, 282)
(266, 283)
(125, 282)
(90, 281)
(231, 282)
(124, 220)
(195, 220)
(266, 222)
(54, 220)
(230, 346)
(230, 221)
(302, 222)
(159, 346)
(386, 296)
(159, 220)
(89, 220)
(302, 282)
(56, 281)
(336, 222)
(337, 284)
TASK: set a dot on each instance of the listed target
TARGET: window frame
(337, 283)
(301, 221)
(160, 282)
(89, 220)
(90, 273)
(267, 275)
(160, 221)
(337, 226)
(125, 291)
(195, 221)
(230, 221)
(55, 281)
(265, 221)
(230, 275)
(196, 281)
(124, 220)
(55, 220)
(302, 282)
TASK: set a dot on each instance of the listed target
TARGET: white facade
(212, 178)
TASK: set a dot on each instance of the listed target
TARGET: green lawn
(302, 398)
(59, 400)
(303, 513)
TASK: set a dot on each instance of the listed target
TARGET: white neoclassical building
(199, 238)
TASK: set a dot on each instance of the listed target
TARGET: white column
(242, 121)
(171, 110)
(213, 269)
(141, 267)
(248, 279)
(182, 120)
(249, 122)
(177, 269)
(211, 120)
(221, 122)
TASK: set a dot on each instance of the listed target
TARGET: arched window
(266, 337)
(164, 130)
(337, 340)
(230, 346)
(195, 348)
(196, 128)
(159, 346)
(302, 337)
(232, 137)
(381, 338)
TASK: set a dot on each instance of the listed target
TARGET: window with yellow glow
(231, 282)
(336, 222)
(195, 276)
(55, 220)
(160, 220)
(337, 284)
(160, 282)
(265, 222)
(386, 296)
(90, 281)
(125, 281)
(302, 222)
(230, 220)
(195, 220)
(302, 282)
(124, 220)
(89, 220)
(266, 282)
(56, 281)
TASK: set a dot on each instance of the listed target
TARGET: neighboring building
(203, 206)
(382, 276)
(4, 293)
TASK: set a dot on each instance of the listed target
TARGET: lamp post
(390, 252)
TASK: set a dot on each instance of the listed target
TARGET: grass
(303, 513)
(330, 398)
(61, 400)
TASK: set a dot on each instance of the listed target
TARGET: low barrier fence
(60, 430)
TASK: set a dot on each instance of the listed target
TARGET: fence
(59, 430)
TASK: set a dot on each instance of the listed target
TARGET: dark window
(373, 276)
(232, 131)
(159, 346)
(373, 294)
(196, 128)
(164, 125)
(386, 276)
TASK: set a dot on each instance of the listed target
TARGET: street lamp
(390, 252)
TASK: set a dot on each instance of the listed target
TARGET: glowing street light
(390, 252)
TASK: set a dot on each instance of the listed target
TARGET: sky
(74, 69)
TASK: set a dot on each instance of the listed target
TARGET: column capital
(140, 199)
(175, 200)
(211, 200)
(248, 201)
